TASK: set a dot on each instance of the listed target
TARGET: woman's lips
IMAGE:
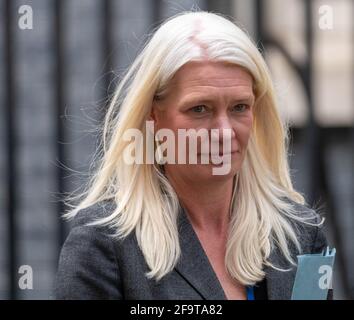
(220, 154)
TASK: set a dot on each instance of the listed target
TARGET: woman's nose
(222, 124)
(222, 134)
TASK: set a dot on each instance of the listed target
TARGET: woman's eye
(198, 109)
(240, 107)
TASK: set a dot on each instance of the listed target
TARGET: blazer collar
(279, 283)
(195, 267)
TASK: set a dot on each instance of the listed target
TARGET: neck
(207, 204)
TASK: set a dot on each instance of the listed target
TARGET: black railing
(107, 37)
(60, 94)
(11, 146)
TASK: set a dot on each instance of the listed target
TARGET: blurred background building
(55, 80)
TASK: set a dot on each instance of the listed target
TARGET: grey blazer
(93, 265)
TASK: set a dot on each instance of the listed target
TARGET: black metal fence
(313, 139)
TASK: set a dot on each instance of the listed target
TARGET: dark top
(94, 265)
(260, 290)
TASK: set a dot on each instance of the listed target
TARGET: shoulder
(310, 230)
(88, 266)
(86, 239)
(93, 213)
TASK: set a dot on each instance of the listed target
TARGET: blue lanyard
(250, 293)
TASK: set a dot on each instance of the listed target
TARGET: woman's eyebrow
(207, 99)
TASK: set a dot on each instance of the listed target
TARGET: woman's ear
(156, 108)
(157, 111)
(152, 116)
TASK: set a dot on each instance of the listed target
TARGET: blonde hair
(145, 201)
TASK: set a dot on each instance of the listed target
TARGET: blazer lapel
(194, 265)
(279, 283)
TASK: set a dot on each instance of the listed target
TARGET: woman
(178, 230)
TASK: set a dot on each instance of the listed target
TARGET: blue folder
(314, 275)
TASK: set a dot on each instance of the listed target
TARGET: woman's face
(209, 95)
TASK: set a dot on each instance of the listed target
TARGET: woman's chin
(212, 172)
